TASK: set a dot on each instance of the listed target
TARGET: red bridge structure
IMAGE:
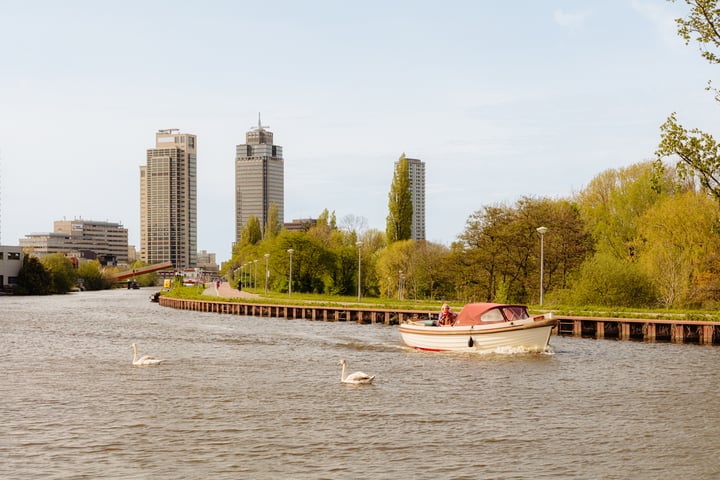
(139, 271)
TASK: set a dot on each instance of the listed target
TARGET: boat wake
(516, 351)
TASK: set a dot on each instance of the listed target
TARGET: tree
(400, 209)
(499, 259)
(62, 273)
(606, 280)
(697, 151)
(352, 223)
(251, 233)
(272, 227)
(92, 276)
(397, 262)
(33, 278)
(677, 246)
(613, 202)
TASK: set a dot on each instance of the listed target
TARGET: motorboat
(482, 327)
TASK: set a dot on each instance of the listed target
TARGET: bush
(607, 281)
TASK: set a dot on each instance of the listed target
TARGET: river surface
(260, 398)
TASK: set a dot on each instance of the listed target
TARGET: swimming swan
(144, 360)
(357, 377)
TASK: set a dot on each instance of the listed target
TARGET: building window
(13, 255)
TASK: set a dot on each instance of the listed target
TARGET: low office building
(11, 260)
(104, 241)
(300, 224)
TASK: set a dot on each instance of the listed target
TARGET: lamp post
(542, 231)
(401, 285)
(358, 245)
(255, 279)
(242, 276)
(267, 272)
(290, 251)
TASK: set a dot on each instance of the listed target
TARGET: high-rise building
(416, 172)
(168, 201)
(259, 179)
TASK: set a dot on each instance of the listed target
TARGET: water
(259, 398)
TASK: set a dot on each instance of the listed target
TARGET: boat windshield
(515, 312)
(492, 315)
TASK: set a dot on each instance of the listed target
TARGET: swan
(357, 377)
(145, 359)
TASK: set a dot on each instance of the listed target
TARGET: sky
(500, 100)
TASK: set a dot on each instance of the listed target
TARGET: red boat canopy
(477, 313)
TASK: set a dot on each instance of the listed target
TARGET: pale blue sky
(500, 99)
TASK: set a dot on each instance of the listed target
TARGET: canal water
(259, 398)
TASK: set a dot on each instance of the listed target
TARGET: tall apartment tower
(168, 201)
(259, 178)
(416, 172)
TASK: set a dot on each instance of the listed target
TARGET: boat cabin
(484, 313)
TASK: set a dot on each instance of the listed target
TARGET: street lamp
(401, 285)
(255, 280)
(542, 231)
(290, 251)
(267, 272)
(359, 245)
(242, 276)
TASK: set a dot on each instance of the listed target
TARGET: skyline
(498, 101)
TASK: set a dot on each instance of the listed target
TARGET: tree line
(634, 237)
(57, 274)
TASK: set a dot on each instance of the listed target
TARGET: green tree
(485, 240)
(272, 227)
(251, 232)
(499, 258)
(92, 276)
(614, 200)
(33, 278)
(606, 280)
(62, 273)
(677, 246)
(374, 242)
(400, 209)
(696, 150)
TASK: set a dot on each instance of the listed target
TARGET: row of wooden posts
(648, 330)
(306, 312)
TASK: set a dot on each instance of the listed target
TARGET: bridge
(140, 271)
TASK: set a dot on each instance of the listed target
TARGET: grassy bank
(432, 306)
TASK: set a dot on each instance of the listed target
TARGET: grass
(195, 293)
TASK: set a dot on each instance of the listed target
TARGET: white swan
(357, 377)
(144, 360)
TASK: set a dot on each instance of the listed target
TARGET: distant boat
(482, 327)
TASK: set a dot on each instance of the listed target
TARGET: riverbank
(647, 330)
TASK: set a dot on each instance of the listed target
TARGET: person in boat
(446, 317)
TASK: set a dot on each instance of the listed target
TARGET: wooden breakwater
(335, 313)
(647, 330)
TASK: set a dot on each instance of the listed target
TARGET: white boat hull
(529, 334)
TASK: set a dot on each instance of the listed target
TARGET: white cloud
(571, 20)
